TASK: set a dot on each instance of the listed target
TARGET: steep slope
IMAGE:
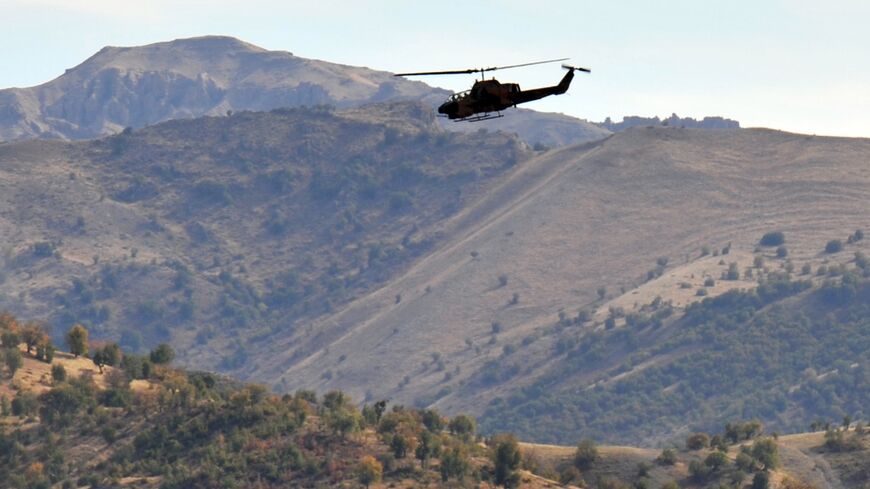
(225, 232)
(122, 87)
(539, 129)
(563, 225)
(137, 86)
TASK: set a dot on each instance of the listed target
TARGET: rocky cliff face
(121, 87)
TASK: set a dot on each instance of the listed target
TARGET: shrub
(834, 246)
(781, 252)
(773, 238)
(667, 457)
(709, 282)
(733, 272)
(24, 404)
(697, 441)
(161, 355)
(77, 340)
(586, 454)
(58, 373)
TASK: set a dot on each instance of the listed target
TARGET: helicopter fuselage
(488, 96)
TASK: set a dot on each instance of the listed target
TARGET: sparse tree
(733, 272)
(426, 448)
(586, 454)
(602, 292)
(506, 458)
(766, 453)
(98, 359)
(773, 238)
(399, 445)
(77, 340)
(667, 457)
(781, 252)
(162, 355)
(33, 334)
(369, 470)
(697, 441)
(761, 480)
(834, 246)
(716, 460)
(454, 464)
(13, 360)
(58, 373)
(463, 426)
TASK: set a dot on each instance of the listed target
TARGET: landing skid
(482, 117)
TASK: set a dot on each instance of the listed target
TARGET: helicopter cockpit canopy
(458, 96)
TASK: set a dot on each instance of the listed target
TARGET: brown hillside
(137, 86)
(560, 227)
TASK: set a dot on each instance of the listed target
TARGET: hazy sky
(798, 65)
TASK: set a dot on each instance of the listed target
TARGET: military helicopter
(487, 98)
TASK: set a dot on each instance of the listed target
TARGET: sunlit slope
(562, 226)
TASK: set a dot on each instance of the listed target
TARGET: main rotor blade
(452, 72)
(478, 70)
(524, 64)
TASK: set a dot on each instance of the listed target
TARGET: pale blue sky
(798, 65)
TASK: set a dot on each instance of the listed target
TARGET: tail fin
(572, 68)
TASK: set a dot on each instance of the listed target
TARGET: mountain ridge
(121, 87)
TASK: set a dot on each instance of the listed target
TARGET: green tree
(77, 340)
(399, 444)
(58, 373)
(716, 461)
(369, 470)
(25, 403)
(773, 238)
(834, 246)
(454, 464)
(98, 359)
(13, 360)
(761, 481)
(33, 334)
(162, 355)
(463, 426)
(697, 441)
(667, 457)
(766, 453)
(586, 454)
(342, 421)
(112, 354)
(506, 458)
(426, 448)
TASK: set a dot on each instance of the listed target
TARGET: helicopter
(487, 98)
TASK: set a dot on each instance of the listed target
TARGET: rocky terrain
(121, 87)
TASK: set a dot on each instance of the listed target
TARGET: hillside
(223, 233)
(159, 427)
(373, 252)
(121, 87)
(560, 227)
(170, 428)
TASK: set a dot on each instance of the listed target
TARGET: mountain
(223, 233)
(367, 249)
(480, 317)
(121, 87)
